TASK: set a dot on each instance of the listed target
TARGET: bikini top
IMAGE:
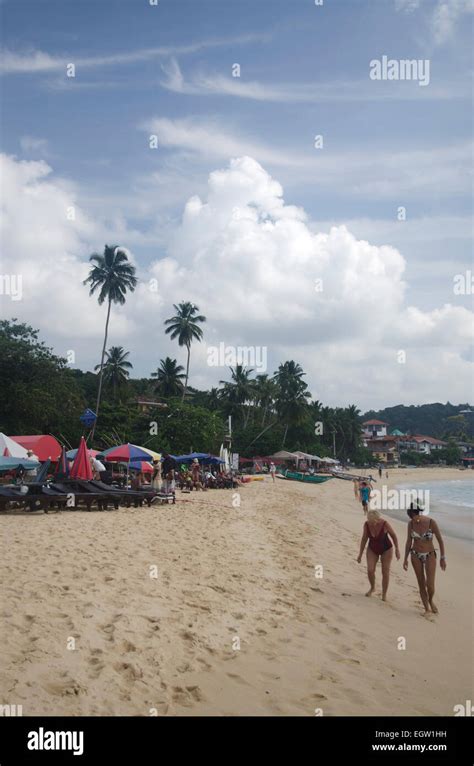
(428, 535)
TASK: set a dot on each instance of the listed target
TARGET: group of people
(167, 475)
(381, 541)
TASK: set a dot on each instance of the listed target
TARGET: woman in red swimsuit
(378, 532)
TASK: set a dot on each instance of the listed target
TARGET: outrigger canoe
(305, 477)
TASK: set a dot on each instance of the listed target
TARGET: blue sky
(143, 70)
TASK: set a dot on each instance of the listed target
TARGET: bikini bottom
(423, 557)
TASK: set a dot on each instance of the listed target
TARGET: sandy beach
(203, 608)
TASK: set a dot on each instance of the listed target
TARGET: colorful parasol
(81, 468)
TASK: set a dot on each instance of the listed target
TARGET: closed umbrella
(81, 468)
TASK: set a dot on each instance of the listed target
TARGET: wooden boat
(305, 477)
(351, 476)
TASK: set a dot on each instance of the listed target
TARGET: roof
(44, 447)
(397, 432)
(429, 439)
(375, 423)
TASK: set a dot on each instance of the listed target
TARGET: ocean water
(451, 503)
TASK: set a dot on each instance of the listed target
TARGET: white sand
(168, 643)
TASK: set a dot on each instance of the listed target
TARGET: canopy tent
(328, 460)
(81, 468)
(201, 457)
(44, 446)
(284, 455)
(306, 456)
(12, 463)
(11, 448)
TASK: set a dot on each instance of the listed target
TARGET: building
(384, 449)
(424, 445)
(374, 428)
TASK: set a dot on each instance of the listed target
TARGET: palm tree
(265, 393)
(184, 327)
(169, 376)
(291, 402)
(239, 391)
(114, 275)
(116, 367)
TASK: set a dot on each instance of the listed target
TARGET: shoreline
(168, 642)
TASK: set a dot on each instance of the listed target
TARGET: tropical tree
(184, 326)
(239, 391)
(266, 392)
(112, 275)
(116, 368)
(169, 377)
(292, 398)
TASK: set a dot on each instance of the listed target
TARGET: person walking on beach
(167, 470)
(272, 471)
(377, 531)
(419, 545)
(364, 494)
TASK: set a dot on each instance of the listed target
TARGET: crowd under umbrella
(131, 454)
(81, 468)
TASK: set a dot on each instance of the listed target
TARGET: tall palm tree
(239, 391)
(112, 274)
(169, 376)
(184, 327)
(116, 367)
(291, 402)
(265, 394)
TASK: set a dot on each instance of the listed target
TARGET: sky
(248, 160)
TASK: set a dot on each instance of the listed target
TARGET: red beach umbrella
(81, 468)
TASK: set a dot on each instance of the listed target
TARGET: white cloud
(377, 174)
(363, 89)
(250, 262)
(36, 62)
(444, 16)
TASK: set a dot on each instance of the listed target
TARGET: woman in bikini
(421, 530)
(378, 532)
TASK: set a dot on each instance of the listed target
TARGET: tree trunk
(99, 392)
(187, 374)
(284, 437)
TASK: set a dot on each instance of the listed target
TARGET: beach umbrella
(81, 468)
(71, 453)
(14, 449)
(126, 453)
(11, 463)
(62, 467)
(142, 466)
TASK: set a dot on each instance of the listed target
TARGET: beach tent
(81, 468)
(43, 446)
(202, 457)
(284, 455)
(306, 456)
(10, 448)
(329, 460)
